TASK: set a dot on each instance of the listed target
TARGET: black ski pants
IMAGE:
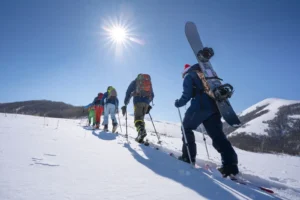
(214, 129)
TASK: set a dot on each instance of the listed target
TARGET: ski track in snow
(73, 162)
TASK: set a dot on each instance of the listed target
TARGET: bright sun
(118, 34)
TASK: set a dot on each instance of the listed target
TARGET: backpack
(112, 93)
(143, 86)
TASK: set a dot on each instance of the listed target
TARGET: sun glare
(118, 34)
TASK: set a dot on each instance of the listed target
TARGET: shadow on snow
(199, 180)
(105, 135)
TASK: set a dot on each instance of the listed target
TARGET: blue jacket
(193, 89)
(136, 99)
(97, 101)
(112, 101)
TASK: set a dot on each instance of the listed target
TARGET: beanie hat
(186, 68)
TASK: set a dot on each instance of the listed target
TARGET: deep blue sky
(57, 49)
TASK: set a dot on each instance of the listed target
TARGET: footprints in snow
(283, 180)
(46, 154)
(44, 161)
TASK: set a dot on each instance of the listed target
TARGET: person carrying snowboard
(98, 109)
(142, 92)
(110, 103)
(203, 109)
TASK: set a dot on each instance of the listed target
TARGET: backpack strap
(206, 88)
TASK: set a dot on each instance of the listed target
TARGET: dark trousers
(214, 129)
(140, 110)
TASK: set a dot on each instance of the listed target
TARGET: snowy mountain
(52, 158)
(43, 108)
(272, 125)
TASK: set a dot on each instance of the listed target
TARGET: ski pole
(44, 120)
(126, 135)
(120, 122)
(204, 139)
(158, 136)
(57, 124)
(185, 140)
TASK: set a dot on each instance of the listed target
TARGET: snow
(256, 126)
(60, 159)
(294, 116)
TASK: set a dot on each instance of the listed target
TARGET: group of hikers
(107, 103)
(203, 110)
(142, 92)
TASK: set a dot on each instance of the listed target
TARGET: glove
(117, 110)
(177, 103)
(149, 108)
(124, 110)
(126, 102)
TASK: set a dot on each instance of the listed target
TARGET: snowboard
(209, 77)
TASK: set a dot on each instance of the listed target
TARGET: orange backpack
(143, 86)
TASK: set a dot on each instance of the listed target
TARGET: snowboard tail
(211, 82)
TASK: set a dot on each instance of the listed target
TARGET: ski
(145, 143)
(242, 182)
(195, 166)
(232, 178)
(239, 180)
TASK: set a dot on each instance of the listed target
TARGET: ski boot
(115, 126)
(141, 135)
(105, 128)
(186, 159)
(205, 54)
(228, 170)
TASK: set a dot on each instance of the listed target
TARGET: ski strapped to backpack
(143, 86)
(112, 93)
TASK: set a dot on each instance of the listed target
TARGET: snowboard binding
(205, 54)
(223, 92)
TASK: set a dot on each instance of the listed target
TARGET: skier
(98, 108)
(142, 92)
(111, 103)
(91, 114)
(203, 109)
(91, 110)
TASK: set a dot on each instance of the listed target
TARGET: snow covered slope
(270, 108)
(60, 159)
(272, 125)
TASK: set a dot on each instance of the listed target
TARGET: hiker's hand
(177, 103)
(148, 110)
